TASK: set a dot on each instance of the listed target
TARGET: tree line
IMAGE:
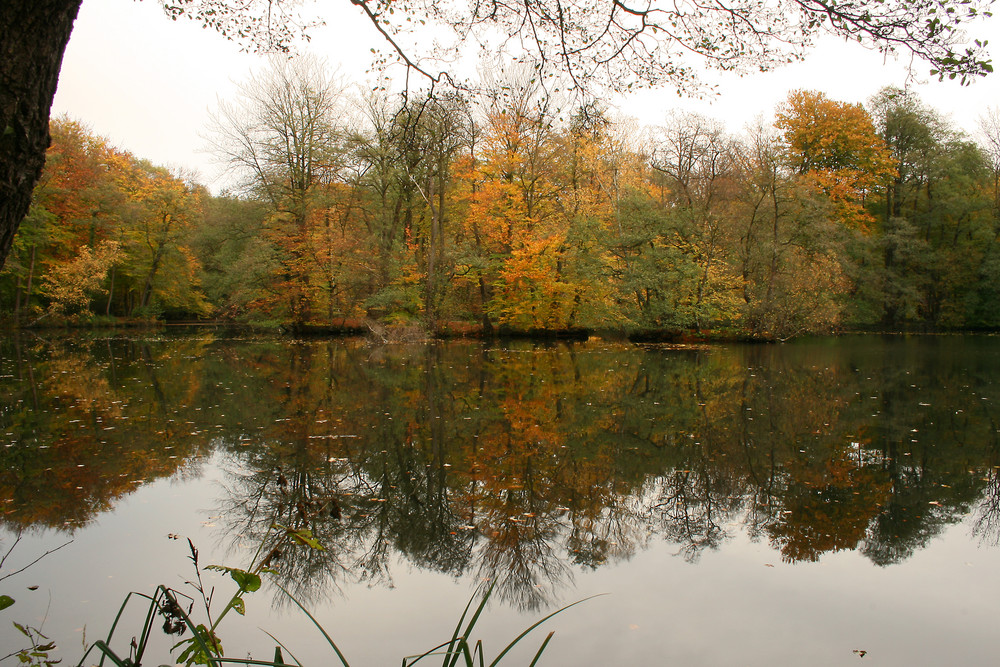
(509, 209)
(609, 46)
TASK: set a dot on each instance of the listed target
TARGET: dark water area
(806, 503)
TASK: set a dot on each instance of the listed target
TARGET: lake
(812, 503)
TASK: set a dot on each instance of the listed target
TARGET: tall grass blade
(282, 645)
(433, 651)
(312, 618)
(542, 648)
(454, 635)
(121, 610)
(106, 652)
(480, 652)
(468, 628)
(535, 625)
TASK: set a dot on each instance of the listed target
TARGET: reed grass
(203, 646)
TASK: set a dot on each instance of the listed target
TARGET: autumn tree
(937, 226)
(70, 207)
(789, 243)
(405, 155)
(72, 285)
(697, 160)
(620, 45)
(834, 147)
(156, 230)
(602, 169)
(79, 184)
(283, 137)
(91, 198)
(236, 259)
(513, 217)
(989, 134)
(960, 225)
(439, 131)
(75, 205)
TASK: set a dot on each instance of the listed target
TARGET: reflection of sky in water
(737, 605)
(733, 609)
(740, 604)
(126, 549)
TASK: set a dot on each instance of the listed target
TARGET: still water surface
(738, 505)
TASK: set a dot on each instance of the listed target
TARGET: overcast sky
(149, 84)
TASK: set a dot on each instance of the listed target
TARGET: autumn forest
(512, 209)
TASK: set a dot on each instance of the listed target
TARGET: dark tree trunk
(33, 37)
(147, 289)
(31, 275)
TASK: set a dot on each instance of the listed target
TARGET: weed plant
(203, 646)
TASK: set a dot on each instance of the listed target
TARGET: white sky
(149, 84)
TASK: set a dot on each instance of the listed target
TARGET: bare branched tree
(285, 139)
(284, 133)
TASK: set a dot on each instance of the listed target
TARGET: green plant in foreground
(459, 651)
(39, 646)
(38, 650)
(204, 643)
(203, 646)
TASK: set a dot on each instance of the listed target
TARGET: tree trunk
(33, 37)
(31, 275)
(22, 290)
(111, 292)
(430, 287)
(17, 299)
(147, 288)
(484, 297)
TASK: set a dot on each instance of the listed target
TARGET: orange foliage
(834, 145)
(830, 506)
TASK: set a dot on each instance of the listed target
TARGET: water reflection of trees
(87, 421)
(519, 464)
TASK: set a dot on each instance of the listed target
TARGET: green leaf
(239, 606)
(6, 601)
(201, 648)
(247, 581)
(303, 536)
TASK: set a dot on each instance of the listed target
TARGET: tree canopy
(620, 44)
(475, 214)
(579, 44)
